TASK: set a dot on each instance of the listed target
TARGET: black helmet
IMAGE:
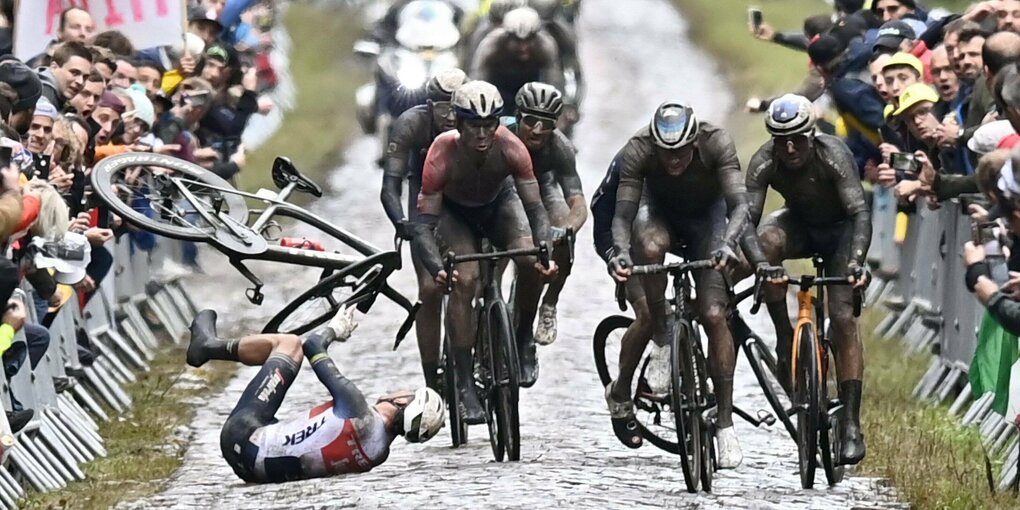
(540, 99)
(442, 86)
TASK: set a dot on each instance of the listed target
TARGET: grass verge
(927, 456)
(143, 447)
(314, 134)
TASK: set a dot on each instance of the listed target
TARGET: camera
(756, 17)
(906, 165)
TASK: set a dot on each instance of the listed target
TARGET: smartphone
(197, 99)
(5, 156)
(906, 166)
(42, 166)
(754, 14)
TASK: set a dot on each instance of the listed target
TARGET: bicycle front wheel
(763, 364)
(148, 191)
(685, 399)
(809, 409)
(506, 376)
(458, 427)
(828, 444)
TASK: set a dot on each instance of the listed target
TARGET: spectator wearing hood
(40, 133)
(27, 87)
(66, 74)
(856, 101)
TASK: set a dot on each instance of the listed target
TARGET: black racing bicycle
(181, 200)
(497, 370)
(683, 421)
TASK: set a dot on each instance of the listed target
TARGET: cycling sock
(724, 386)
(850, 396)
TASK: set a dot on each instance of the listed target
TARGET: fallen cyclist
(345, 435)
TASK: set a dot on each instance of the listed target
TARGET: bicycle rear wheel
(828, 444)
(506, 373)
(763, 364)
(145, 190)
(358, 284)
(806, 401)
(649, 409)
(685, 400)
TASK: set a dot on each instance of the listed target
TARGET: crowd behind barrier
(88, 299)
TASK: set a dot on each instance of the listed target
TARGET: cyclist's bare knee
(288, 345)
(773, 242)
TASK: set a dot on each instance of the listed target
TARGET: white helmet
(790, 115)
(522, 22)
(442, 86)
(499, 8)
(674, 125)
(477, 100)
(424, 416)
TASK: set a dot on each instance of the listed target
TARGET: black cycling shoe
(203, 333)
(852, 449)
(471, 408)
(528, 357)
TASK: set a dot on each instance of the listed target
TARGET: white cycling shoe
(658, 372)
(545, 333)
(728, 448)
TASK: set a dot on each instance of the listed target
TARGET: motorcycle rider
(694, 192)
(518, 52)
(539, 106)
(410, 138)
(478, 182)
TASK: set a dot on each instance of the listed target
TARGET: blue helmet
(674, 125)
(790, 115)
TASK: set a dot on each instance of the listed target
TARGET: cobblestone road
(636, 55)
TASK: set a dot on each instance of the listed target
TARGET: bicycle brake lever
(571, 239)
(621, 297)
(758, 290)
(406, 326)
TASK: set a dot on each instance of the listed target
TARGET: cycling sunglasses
(533, 121)
(799, 141)
(443, 108)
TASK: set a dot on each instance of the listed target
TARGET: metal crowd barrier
(139, 305)
(920, 284)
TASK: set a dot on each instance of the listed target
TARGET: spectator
(901, 71)
(124, 75)
(105, 120)
(200, 24)
(75, 25)
(28, 87)
(114, 41)
(40, 134)
(1008, 13)
(103, 61)
(65, 76)
(85, 101)
(150, 76)
(894, 10)
(947, 84)
(182, 61)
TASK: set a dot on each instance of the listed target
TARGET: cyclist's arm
(603, 208)
(488, 47)
(733, 187)
(395, 165)
(851, 193)
(570, 184)
(430, 202)
(552, 72)
(519, 159)
(348, 401)
(628, 194)
(757, 184)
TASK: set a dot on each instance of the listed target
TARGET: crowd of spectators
(91, 95)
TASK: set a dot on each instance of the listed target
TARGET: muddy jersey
(826, 191)
(410, 137)
(555, 164)
(321, 444)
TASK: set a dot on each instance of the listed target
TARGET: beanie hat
(825, 49)
(23, 80)
(143, 106)
(110, 100)
(43, 108)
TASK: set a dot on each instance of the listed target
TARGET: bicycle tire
(325, 288)
(458, 427)
(508, 382)
(110, 171)
(684, 397)
(486, 359)
(828, 444)
(707, 428)
(763, 366)
(806, 399)
(600, 346)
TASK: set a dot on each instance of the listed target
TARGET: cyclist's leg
(703, 236)
(509, 228)
(847, 347)
(652, 238)
(261, 399)
(781, 237)
(457, 236)
(559, 212)
(428, 319)
(206, 345)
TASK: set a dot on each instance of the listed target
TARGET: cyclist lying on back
(478, 182)
(345, 435)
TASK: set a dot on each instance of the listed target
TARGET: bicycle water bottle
(301, 243)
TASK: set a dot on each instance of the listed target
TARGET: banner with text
(146, 23)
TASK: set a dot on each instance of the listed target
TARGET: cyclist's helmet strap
(790, 114)
(674, 125)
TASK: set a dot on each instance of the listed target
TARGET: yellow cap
(916, 93)
(905, 59)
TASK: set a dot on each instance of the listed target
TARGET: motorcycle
(425, 43)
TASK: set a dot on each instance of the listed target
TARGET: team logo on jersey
(305, 433)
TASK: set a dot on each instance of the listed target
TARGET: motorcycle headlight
(411, 75)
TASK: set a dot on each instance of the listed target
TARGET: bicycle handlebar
(452, 259)
(675, 267)
(805, 283)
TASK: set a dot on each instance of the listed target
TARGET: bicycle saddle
(285, 173)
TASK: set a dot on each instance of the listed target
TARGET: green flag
(993, 359)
